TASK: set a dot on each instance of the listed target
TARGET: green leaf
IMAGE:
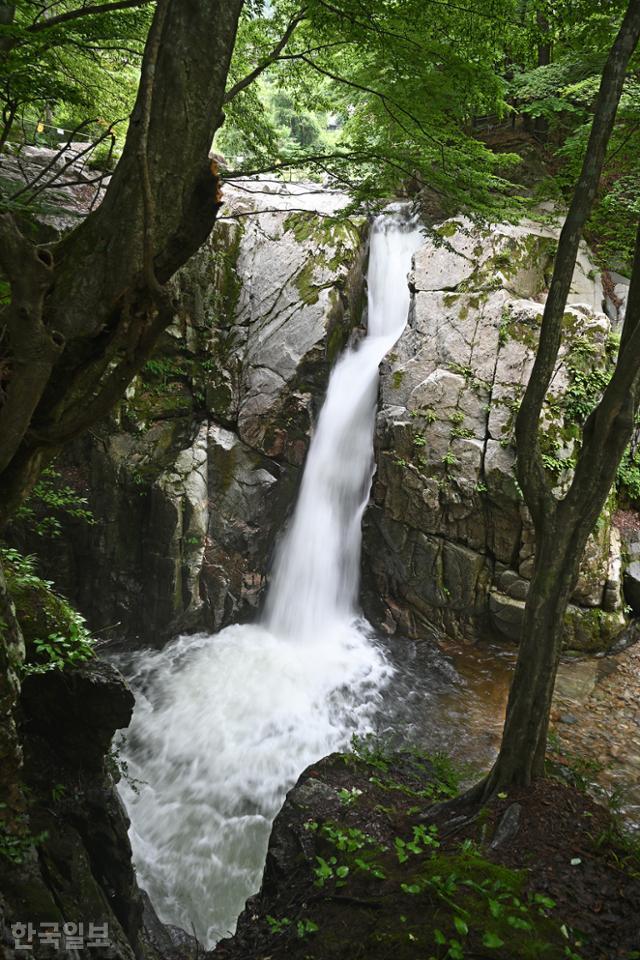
(492, 940)
(495, 908)
(460, 926)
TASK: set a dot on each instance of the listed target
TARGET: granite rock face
(449, 543)
(191, 479)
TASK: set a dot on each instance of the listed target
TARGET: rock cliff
(191, 480)
(449, 543)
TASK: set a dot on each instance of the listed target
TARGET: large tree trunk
(562, 527)
(101, 306)
(85, 313)
(524, 739)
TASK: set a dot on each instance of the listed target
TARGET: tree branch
(385, 100)
(268, 60)
(85, 12)
(610, 425)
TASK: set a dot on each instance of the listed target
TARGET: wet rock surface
(448, 539)
(596, 725)
(82, 872)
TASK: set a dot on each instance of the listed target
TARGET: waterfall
(225, 724)
(316, 578)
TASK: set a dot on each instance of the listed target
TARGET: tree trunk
(13, 805)
(562, 527)
(85, 313)
(104, 305)
(541, 124)
(524, 740)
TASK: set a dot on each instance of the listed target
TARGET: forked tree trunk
(85, 312)
(562, 527)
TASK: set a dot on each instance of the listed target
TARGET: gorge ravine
(224, 724)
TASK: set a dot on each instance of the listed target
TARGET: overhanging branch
(268, 60)
(89, 11)
(537, 492)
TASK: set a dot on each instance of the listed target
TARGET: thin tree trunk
(8, 116)
(562, 527)
(541, 124)
(523, 747)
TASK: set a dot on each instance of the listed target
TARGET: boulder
(632, 585)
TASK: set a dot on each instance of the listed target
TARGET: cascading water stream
(225, 724)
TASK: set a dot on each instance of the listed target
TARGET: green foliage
(277, 926)
(50, 499)
(303, 927)
(444, 778)
(628, 475)
(563, 93)
(55, 633)
(61, 73)
(349, 797)
(306, 927)
(16, 846)
(588, 377)
(119, 767)
(366, 102)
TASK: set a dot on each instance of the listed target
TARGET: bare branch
(268, 60)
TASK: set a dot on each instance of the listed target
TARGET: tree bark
(86, 312)
(102, 304)
(13, 803)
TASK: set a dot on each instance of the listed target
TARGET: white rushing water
(225, 724)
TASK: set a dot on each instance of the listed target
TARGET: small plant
(423, 838)
(58, 791)
(463, 370)
(17, 846)
(429, 415)
(449, 459)
(58, 651)
(120, 768)
(278, 926)
(349, 797)
(70, 642)
(305, 927)
(50, 499)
